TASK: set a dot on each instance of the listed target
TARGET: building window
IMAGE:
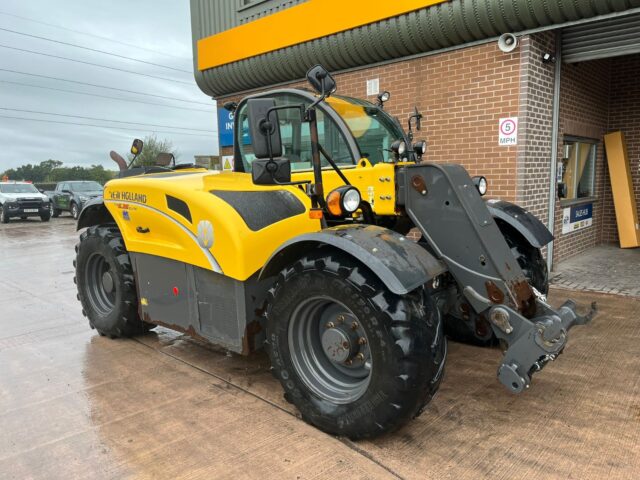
(578, 167)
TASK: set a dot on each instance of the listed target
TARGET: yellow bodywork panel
(139, 206)
(376, 183)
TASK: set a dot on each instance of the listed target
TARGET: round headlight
(481, 185)
(351, 200)
(420, 147)
(343, 201)
(399, 147)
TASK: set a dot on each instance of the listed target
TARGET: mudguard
(527, 224)
(399, 263)
(94, 213)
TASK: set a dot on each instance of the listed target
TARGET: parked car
(22, 199)
(71, 196)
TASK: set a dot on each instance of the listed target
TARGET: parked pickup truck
(22, 199)
(71, 196)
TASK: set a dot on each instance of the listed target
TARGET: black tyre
(4, 218)
(535, 270)
(354, 358)
(75, 211)
(105, 281)
(45, 217)
(55, 213)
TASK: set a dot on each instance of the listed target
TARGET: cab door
(62, 198)
(296, 136)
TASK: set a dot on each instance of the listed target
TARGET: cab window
(296, 137)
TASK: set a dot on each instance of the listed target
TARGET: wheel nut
(341, 318)
(330, 325)
(362, 341)
(348, 362)
(354, 326)
(360, 356)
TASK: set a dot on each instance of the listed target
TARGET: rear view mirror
(136, 148)
(271, 172)
(264, 128)
(321, 80)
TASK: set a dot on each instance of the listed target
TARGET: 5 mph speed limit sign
(508, 131)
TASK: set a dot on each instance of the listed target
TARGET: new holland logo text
(128, 196)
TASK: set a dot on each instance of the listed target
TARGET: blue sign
(581, 212)
(225, 127)
(577, 217)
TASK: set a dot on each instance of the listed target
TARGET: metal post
(553, 188)
(318, 189)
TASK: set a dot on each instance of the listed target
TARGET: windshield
(18, 188)
(85, 186)
(373, 129)
(296, 136)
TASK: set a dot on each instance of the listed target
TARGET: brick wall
(624, 114)
(462, 94)
(584, 112)
(536, 124)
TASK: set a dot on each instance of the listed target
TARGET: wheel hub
(337, 344)
(107, 282)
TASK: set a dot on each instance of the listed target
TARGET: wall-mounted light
(548, 58)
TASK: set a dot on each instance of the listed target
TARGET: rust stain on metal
(493, 291)
(252, 329)
(190, 330)
(524, 298)
(418, 183)
(482, 326)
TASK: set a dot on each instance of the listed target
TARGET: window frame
(566, 202)
(304, 95)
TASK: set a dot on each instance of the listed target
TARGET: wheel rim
(50, 210)
(100, 285)
(330, 350)
(74, 211)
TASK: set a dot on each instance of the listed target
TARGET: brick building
(573, 76)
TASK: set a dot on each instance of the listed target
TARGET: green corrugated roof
(441, 26)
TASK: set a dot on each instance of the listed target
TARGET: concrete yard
(77, 405)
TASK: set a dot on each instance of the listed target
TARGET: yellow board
(622, 187)
(302, 23)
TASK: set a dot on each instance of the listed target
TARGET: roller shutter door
(607, 38)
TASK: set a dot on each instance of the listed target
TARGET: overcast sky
(158, 31)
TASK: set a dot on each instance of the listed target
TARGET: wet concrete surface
(77, 405)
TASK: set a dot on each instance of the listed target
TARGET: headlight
(420, 147)
(481, 185)
(83, 198)
(399, 147)
(343, 200)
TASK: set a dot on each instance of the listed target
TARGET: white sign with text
(508, 132)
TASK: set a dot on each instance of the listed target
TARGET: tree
(54, 171)
(152, 147)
